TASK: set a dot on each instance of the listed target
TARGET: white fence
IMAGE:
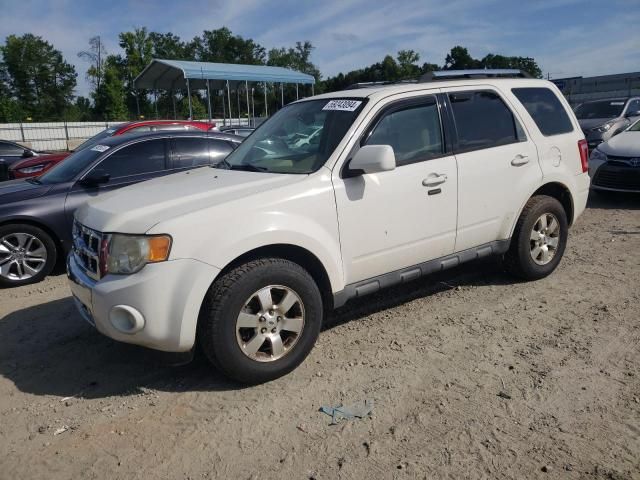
(52, 136)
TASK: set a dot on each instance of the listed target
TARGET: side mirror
(27, 153)
(94, 179)
(373, 159)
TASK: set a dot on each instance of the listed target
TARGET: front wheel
(539, 239)
(27, 255)
(260, 320)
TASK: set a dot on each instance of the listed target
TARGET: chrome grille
(86, 248)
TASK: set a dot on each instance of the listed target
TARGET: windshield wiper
(248, 167)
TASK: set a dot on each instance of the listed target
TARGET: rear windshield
(600, 109)
(545, 109)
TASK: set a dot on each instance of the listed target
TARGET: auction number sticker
(342, 105)
(100, 148)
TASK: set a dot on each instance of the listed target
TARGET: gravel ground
(473, 375)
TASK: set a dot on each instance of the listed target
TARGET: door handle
(520, 160)
(434, 179)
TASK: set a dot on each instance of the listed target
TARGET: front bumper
(614, 176)
(166, 295)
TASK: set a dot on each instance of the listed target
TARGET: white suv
(334, 197)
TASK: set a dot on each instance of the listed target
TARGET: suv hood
(588, 123)
(19, 190)
(136, 209)
(625, 144)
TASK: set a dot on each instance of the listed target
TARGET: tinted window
(141, 157)
(96, 139)
(634, 106)
(413, 132)
(545, 109)
(600, 109)
(190, 152)
(218, 150)
(483, 121)
(10, 149)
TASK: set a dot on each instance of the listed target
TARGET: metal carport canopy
(172, 74)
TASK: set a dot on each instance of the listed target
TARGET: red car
(35, 166)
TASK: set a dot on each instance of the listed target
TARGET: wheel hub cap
(22, 256)
(544, 239)
(270, 323)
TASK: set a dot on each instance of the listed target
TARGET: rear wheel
(260, 320)
(27, 255)
(539, 239)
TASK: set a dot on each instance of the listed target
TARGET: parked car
(404, 180)
(601, 120)
(11, 153)
(615, 164)
(36, 214)
(32, 167)
(240, 131)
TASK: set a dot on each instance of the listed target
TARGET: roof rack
(383, 83)
(479, 73)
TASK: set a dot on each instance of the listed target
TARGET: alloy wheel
(22, 256)
(544, 239)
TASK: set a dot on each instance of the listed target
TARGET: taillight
(584, 155)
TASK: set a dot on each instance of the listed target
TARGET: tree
(526, 64)
(407, 60)
(460, 59)
(296, 58)
(109, 100)
(222, 46)
(95, 56)
(37, 77)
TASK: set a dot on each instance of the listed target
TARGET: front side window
(413, 131)
(190, 152)
(545, 109)
(141, 157)
(483, 121)
(299, 139)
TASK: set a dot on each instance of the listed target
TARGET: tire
(27, 255)
(232, 302)
(519, 259)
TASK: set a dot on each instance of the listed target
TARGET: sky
(566, 37)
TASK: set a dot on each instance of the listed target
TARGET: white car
(405, 180)
(615, 164)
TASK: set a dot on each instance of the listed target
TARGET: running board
(372, 285)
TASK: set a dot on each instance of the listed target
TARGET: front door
(399, 218)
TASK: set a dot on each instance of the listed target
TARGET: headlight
(605, 127)
(126, 254)
(34, 169)
(597, 155)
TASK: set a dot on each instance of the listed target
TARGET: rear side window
(141, 157)
(414, 132)
(545, 109)
(483, 121)
(190, 152)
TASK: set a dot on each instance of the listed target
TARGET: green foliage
(109, 99)
(35, 75)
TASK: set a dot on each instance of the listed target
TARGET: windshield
(600, 109)
(71, 166)
(298, 139)
(635, 127)
(95, 139)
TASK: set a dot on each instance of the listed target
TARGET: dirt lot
(438, 357)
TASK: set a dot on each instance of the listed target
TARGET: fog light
(126, 319)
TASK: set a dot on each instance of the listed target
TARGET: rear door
(497, 164)
(130, 164)
(396, 219)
